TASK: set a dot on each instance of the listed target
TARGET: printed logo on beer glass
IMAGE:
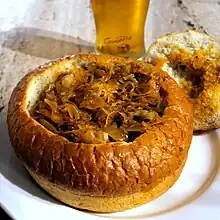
(121, 46)
(120, 39)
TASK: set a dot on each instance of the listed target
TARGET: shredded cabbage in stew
(101, 104)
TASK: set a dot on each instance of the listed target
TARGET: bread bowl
(193, 60)
(108, 172)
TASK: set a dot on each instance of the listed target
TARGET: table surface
(35, 31)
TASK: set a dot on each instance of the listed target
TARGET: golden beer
(120, 26)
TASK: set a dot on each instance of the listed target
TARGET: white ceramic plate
(196, 195)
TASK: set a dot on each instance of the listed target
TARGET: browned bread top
(106, 169)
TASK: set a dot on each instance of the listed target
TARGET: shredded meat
(101, 103)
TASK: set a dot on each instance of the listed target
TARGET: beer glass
(120, 26)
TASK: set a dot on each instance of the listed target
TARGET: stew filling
(101, 104)
(194, 71)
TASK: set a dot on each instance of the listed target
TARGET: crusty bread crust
(110, 170)
(207, 105)
(107, 204)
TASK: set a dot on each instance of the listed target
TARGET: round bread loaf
(111, 173)
(193, 60)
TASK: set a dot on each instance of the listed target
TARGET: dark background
(3, 215)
